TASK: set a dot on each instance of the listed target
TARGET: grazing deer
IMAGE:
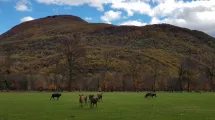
(57, 95)
(90, 97)
(153, 95)
(81, 100)
(85, 99)
(93, 102)
(100, 95)
(150, 95)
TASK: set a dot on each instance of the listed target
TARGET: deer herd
(92, 99)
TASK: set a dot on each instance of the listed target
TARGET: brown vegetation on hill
(39, 55)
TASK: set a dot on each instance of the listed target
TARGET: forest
(74, 69)
(47, 55)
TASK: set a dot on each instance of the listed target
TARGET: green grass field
(115, 106)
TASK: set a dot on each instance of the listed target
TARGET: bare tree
(210, 71)
(74, 51)
(155, 72)
(190, 78)
(6, 67)
(187, 73)
(2, 73)
(181, 74)
(30, 82)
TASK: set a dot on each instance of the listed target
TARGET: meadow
(115, 106)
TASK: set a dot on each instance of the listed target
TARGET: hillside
(35, 45)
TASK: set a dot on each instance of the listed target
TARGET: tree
(30, 73)
(123, 71)
(107, 56)
(190, 78)
(58, 70)
(7, 63)
(136, 69)
(74, 51)
(181, 74)
(52, 87)
(155, 73)
(187, 73)
(2, 73)
(210, 71)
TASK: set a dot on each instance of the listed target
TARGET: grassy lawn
(115, 106)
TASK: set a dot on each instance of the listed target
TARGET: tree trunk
(98, 85)
(123, 85)
(212, 83)
(70, 74)
(154, 83)
(180, 84)
(6, 85)
(55, 82)
(134, 85)
(188, 87)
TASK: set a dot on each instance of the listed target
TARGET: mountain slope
(34, 44)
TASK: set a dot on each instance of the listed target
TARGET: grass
(115, 106)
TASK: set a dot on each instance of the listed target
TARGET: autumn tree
(6, 64)
(58, 72)
(210, 71)
(74, 52)
(109, 81)
(125, 73)
(107, 57)
(136, 69)
(2, 72)
(30, 74)
(118, 81)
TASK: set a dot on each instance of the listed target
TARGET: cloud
(132, 6)
(207, 26)
(193, 14)
(88, 18)
(93, 3)
(21, 8)
(25, 19)
(198, 15)
(22, 5)
(108, 22)
(111, 16)
(133, 23)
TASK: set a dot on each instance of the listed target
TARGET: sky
(192, 14)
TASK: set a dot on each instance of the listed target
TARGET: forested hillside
(66, 52)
